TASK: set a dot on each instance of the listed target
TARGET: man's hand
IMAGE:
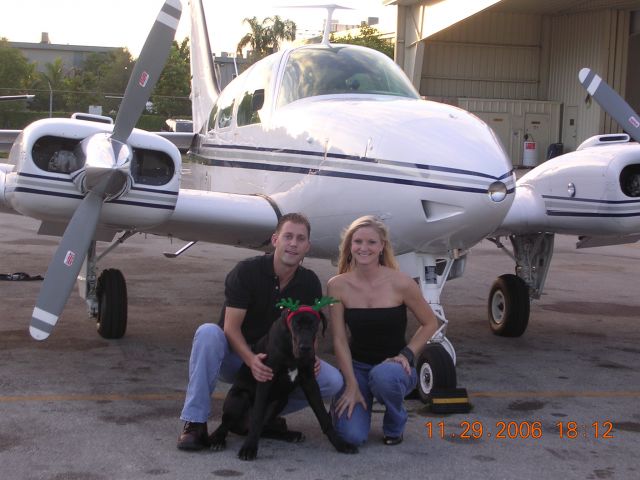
(260, 371)
(316, 367)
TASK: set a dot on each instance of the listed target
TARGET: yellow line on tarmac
(555, 394)
(100, 397)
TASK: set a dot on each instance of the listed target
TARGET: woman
(377, 363)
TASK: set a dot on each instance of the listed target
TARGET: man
(252, 290)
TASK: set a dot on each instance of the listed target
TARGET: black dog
(290, 349)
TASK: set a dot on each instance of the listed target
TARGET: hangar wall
(526, 59)
(490, 55)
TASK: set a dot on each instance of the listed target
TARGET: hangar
(515, 64)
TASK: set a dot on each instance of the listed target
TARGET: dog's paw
(248, 453)
(217, 444)
(292, 436)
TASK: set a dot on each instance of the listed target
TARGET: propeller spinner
(106, 173)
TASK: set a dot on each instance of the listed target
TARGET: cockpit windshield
(341, 69)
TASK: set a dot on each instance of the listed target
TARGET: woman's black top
(376, 333)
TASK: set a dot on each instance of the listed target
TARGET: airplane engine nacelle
(49, 155)
(593, 191)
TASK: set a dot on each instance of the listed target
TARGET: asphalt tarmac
(564, 397)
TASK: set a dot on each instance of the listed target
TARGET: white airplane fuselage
(425, 168)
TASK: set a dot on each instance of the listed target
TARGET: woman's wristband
(408, 354)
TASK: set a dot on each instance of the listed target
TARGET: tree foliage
(368, 37)
(101, 79)
(171, 95)
(265, 36)
(16, 73)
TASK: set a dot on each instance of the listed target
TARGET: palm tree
(264, 37)
(257, 37)
(281, 30)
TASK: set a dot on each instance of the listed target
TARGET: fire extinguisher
(530, 152)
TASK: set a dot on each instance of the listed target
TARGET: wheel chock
(449, 400)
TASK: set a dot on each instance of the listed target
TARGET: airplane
(8, 98)
(332, 131)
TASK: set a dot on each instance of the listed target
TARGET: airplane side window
(253, 97)
(213, 117)
(225, 115)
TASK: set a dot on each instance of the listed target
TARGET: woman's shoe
(392, 440)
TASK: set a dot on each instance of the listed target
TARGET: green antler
(289, 303)
(323, 302)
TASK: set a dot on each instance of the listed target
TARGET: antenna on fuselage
(327, 26)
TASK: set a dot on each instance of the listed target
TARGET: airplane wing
(593, 192)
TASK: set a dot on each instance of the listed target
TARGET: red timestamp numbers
(476, 430)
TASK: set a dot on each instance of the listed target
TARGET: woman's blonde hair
(387, 258)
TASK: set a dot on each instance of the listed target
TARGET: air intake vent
(599, 140)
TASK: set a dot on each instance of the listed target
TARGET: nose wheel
(435, 370)
(111, 292)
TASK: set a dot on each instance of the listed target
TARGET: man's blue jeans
(212, 358)
(388, 383)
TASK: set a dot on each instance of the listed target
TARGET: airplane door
(536, 125)
(570, 128)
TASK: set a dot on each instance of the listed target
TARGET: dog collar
(301, 309)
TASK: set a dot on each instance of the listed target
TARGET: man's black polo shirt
(253, 285)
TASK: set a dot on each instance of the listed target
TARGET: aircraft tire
(508, 308)
(435, 370)
(112, 304)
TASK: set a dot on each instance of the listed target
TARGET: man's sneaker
(194, 436)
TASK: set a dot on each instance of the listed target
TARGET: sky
(125, 23)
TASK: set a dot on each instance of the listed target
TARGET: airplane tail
(204, 91)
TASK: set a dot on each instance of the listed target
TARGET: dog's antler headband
(295, 307)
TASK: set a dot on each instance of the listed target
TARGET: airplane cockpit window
(342, 69)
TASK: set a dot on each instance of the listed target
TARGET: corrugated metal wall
(519, 56)
(490, 55)
(578, 41)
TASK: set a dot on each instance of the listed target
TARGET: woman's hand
(260, 371)
(348, 401)
(402, 360)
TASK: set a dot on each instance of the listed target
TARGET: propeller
(106, 174)
(611, 102)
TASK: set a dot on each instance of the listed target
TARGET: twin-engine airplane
(335, 132)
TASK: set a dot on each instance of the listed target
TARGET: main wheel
(509, 306)
(112, 304)
(435, 370)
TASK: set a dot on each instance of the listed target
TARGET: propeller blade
(611, 102)
(147, 69)
(65, 266)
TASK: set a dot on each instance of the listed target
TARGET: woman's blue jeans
(388, 383)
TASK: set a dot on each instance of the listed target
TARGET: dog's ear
(323, 319)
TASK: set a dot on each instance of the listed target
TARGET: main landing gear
(106, 295)
(509, 298)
